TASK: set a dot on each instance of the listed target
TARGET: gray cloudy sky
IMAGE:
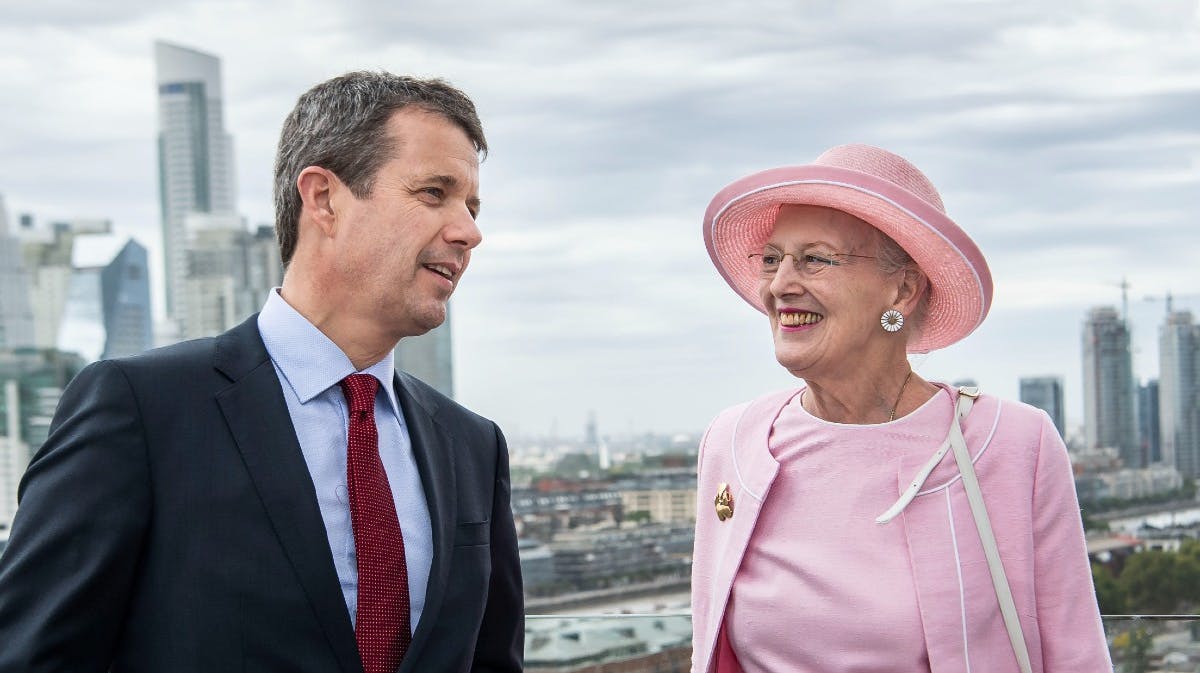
(1064, 138)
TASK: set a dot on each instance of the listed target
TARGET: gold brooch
(724, 502)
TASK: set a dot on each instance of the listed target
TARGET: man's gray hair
(341, 126)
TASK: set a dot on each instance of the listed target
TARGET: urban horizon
(592, 290)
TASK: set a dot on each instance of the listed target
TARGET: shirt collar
(311, 363)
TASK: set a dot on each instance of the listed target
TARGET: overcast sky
(1064, 137)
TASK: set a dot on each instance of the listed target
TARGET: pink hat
(880, 188)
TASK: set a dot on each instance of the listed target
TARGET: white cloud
(1063, 137)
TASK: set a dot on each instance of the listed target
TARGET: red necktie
(382, 623)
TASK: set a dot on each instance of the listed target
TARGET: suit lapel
(258, 418)
(433, 449)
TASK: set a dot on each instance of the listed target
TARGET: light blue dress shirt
(309, 367)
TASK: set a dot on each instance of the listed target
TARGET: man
(278, 498)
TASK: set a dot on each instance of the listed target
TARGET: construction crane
(1170, 297)
(1124, 285)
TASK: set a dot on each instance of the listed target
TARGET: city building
(16, 312)
(661, 506)
(1127, 484)
(537, 565)
(49, 255)
(543, 515)
(31, 383)
(610, 644)
(195, 156)
(660, 495)
(1046, 393)
(429, 358)
(229, 272)
(14, 452)
(1148, 421)
(125, 292)
(591, 559)
(106, 311)
(1179, 392)
(1109, 409)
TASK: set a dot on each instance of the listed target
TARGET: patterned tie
(382, 624)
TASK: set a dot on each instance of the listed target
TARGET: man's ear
(316, 186)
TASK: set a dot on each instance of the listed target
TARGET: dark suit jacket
(169, 524)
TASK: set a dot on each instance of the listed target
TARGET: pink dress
(794, 575)
(830, 589)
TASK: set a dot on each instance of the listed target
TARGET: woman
(842, 534)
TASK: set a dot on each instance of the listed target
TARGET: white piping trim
(733, 452)
(974, 459)
(962, 594)
(881, 197)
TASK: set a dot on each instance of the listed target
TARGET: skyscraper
(16, 313)
(125, 296)
(31, 383)
(229, 272)
(1109, 402)
(1179, 393)
(429, 358)
(1148, 421)
(195, 155)
(107, 308)
(1045, 393)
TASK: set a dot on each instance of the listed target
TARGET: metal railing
(662, 642)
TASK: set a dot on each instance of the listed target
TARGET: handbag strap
(1008, 608)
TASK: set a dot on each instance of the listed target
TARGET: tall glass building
(1109, 399)
(1046, 393)
(1148, 417)
(16, 312)
(429, 358)
(107, 309)
(1179, 393)
(230, 270)
(125, 297)
(195, 156)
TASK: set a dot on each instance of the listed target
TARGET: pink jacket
(1025, 476)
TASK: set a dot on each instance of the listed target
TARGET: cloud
(1063, 137)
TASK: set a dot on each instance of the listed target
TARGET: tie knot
(359, 390)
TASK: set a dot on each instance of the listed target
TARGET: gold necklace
(892, 415)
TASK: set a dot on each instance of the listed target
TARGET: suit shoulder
(429, 395)
(177, 362)
(175, 357)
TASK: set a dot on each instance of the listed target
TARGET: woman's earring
(892, 320)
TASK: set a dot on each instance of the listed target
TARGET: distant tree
(1093, 524)
(1188, 559)
(1109, 594)
(1190, 549)
(638, 516)
(577, 465)
(1157, 582)
(1137, 654)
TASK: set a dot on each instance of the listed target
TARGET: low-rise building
(612, 644)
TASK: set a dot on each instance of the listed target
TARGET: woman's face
(827, 296)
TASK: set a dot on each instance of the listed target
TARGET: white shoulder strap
(955, 440)
(1008, 608)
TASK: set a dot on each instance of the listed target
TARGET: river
(1178, 517)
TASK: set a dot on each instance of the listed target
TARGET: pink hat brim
(740, 218)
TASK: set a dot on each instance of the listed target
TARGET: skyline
(1063, 139)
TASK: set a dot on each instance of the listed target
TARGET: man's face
(402, 250)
